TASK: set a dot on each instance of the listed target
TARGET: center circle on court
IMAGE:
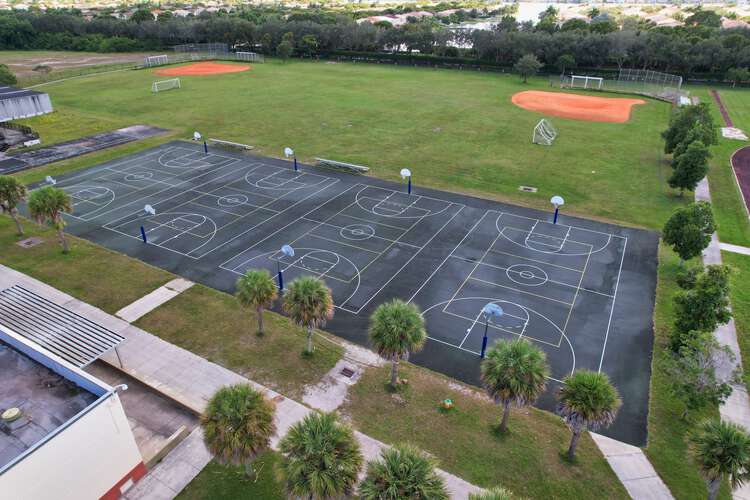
(139, 176)
(526, 274)
(232, 200)
(357, 232)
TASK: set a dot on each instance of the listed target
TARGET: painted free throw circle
(525, 274)
(232, 200)
(357, 232)
(139, 176)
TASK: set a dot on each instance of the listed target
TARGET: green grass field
(456, 130)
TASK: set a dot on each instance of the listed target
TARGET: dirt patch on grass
(577, 107)
(203, 69)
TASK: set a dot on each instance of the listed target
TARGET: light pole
(406, 174)
(489, 311)
(287, 251)
(290, 152)
(557, 201)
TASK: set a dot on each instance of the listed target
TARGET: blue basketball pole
(143, 235)
(557, 210)
(408, 188)
(281, 276)
(295, 164)
(205, 147)
(484, 339)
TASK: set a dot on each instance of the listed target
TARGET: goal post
(544, 133)
(163, 85)
(249, 57)
(586, 82)
(152, 61)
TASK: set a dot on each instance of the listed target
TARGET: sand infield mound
(202, 69)
(577, 107)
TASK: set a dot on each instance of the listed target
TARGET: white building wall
(84, 461)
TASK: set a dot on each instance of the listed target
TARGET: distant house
(733, 23)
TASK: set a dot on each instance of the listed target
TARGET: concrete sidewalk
(633, 469)
(149, 302)
(191, 381)
(728, 247)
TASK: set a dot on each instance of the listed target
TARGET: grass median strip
(529, 460)
(740, 297)
(212, 324)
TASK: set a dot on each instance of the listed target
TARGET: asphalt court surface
(580, 290)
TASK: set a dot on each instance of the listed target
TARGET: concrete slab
(149, 302)
(728, 247)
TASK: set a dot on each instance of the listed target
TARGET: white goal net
(156, 60)
(163, 85)
(249, 56)
(544, 133)
(586, 82)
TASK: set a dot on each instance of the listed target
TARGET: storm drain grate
(30, 242)
(347, 372)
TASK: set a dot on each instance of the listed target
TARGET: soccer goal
(249, 56)
(163, 85)
(156, 60)
(544, 133)
(586, 82)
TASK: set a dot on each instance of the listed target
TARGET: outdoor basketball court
(580, 290)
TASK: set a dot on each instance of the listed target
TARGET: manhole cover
(347, 372)
(527, 189)
(30, 242)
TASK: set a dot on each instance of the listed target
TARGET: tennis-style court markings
(539, 273)
(357, 241)
(196, 196)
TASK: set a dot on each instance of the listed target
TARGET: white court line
(472, 278)
(163, 200)
(461, 207)
(375, 236)
(535, 260)
(575, 297)
(318, 207)
(612, 310)
(501, 329)
(449, 255)
(566, 225)
(476, 353)
(584, 289)
(468, 330)
(97, 169)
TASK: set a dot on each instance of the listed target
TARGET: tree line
(699, 48)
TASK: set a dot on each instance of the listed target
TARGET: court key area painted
(580, 290)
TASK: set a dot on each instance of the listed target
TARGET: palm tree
(12, 193)
(321, 458)
(397, 328)
(721, 449)
(402, 472)
(238, 425)
(256, 289)
(513, 373)
(47, 204)
(309, 303)
(496, 493)
(587, 400)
